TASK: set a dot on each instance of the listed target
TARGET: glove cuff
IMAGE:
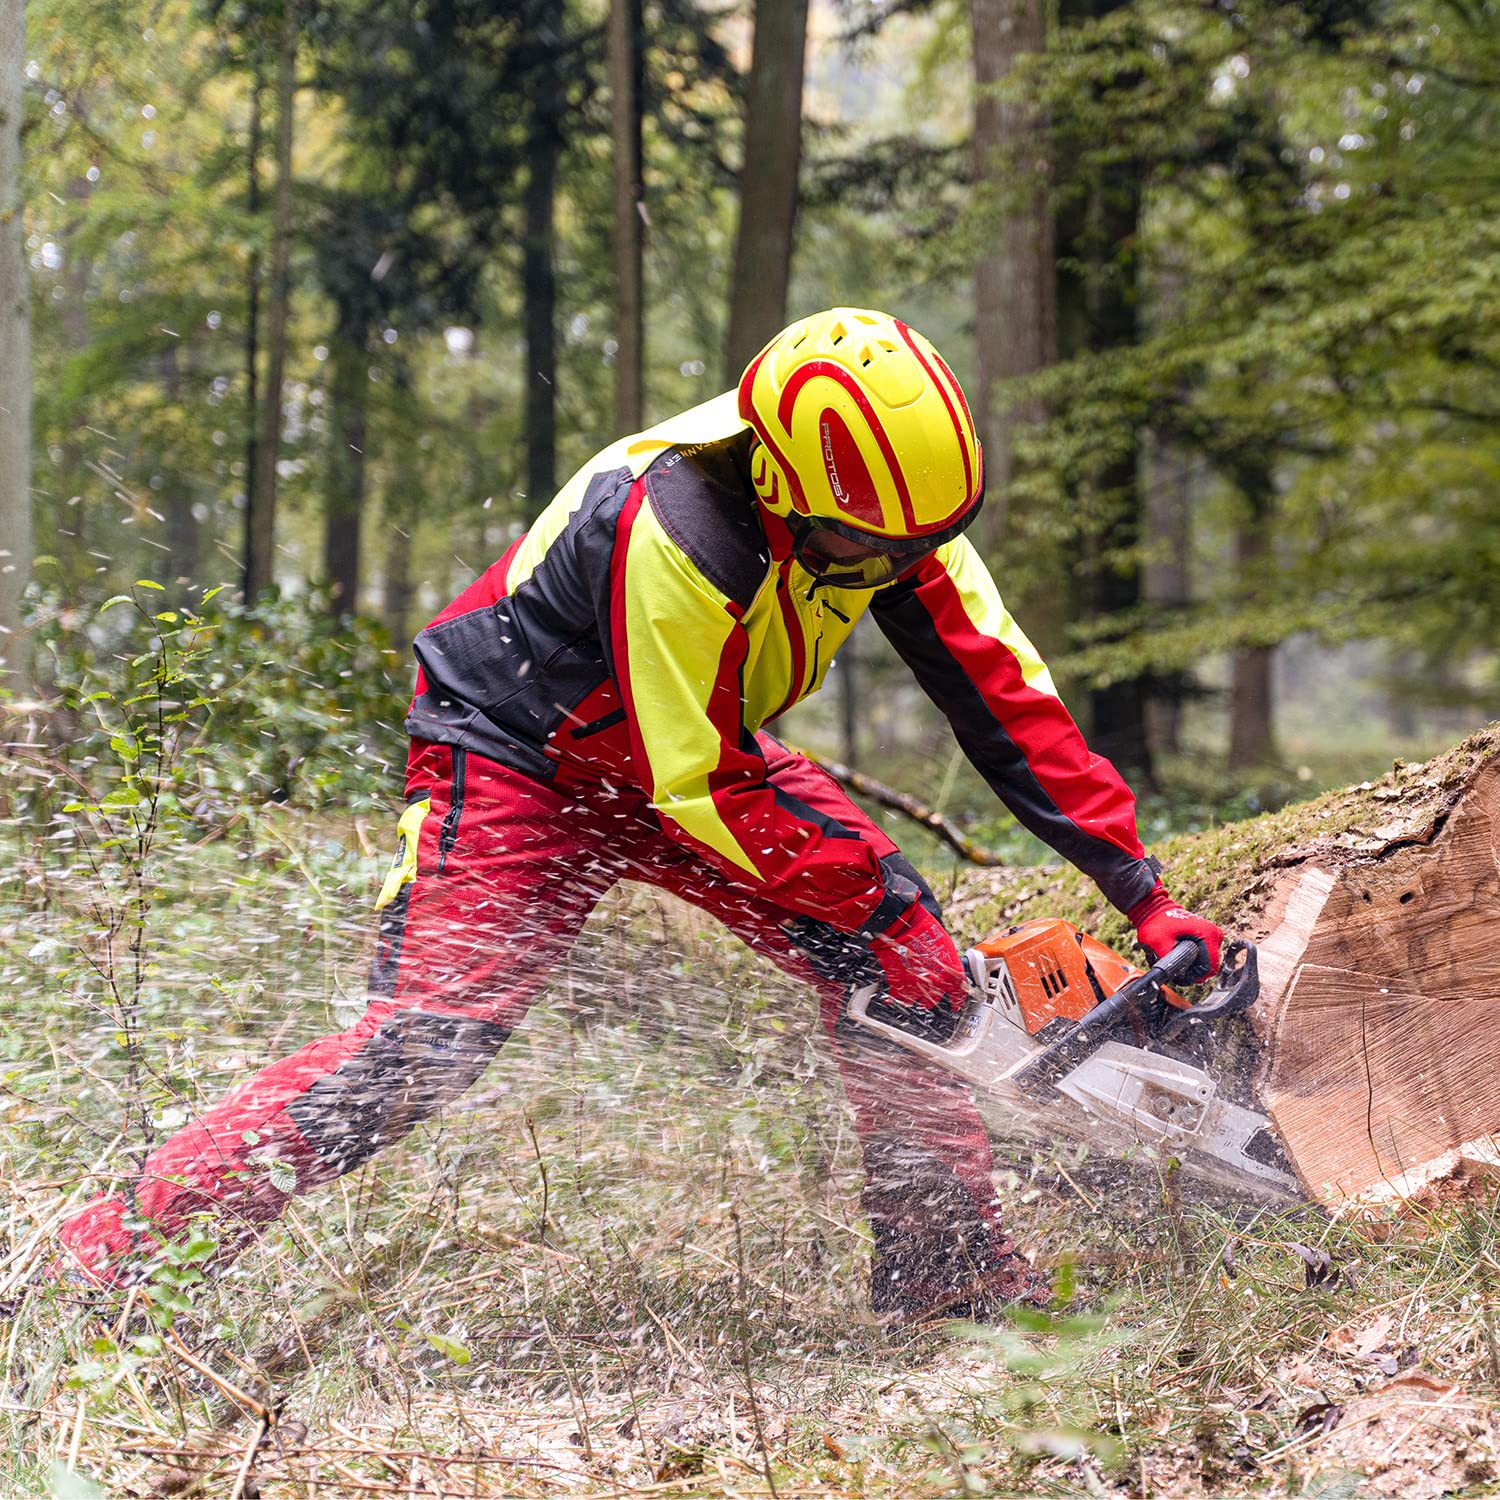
(897, 901)
(1157, 899)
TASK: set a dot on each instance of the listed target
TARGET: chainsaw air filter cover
(1052, 972)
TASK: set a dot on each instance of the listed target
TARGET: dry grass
(631, 1262)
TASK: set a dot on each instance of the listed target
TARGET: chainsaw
(1062, 1036)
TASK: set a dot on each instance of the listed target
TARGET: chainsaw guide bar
(1063, 1037)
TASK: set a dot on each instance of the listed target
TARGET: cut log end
(1381, 989)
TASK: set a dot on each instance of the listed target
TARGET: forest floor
(631, 1261)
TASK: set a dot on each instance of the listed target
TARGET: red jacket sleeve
(947, 621)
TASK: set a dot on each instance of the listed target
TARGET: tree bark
(400, 509)
(1117, 710)
(15, 363)
(625, 62)
(343, 513)
(1252, 714)
(252, 337)
(261, 522)
(177, 499)
(538, 272)
(1015, 304)
(768, 181)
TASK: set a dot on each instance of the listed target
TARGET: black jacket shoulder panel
(703, 497)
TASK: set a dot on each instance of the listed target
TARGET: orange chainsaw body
(1059, 972)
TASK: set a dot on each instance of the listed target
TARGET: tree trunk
(1015, 327)
(1117, 710)
(400, 508)
(72, 526)
(538, 278)
(15, 363)
(261, 522)
(849, 698)
(768, 181)
(625, 61)
(252, 339)
(177, 499)
(1252, 735)
(349, 372)
(1371, 1047)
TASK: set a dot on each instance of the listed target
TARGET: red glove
(921, 966)
(1160, 924)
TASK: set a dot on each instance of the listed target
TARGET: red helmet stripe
(748, 412)
(942, 390)
(836, 372)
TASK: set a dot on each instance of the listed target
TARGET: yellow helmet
(863, 430)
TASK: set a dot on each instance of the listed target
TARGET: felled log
(1375, 1046)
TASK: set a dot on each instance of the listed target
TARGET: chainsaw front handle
(1237, 990)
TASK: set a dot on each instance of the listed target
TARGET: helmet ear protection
(863, 428)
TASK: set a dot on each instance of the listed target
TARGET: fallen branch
(907, 805)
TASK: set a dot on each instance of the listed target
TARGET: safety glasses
(842, 557)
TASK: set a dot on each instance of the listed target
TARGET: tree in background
(1015, 270)
(625, 87)
(260, 512)
(768, 181)
(15, 360)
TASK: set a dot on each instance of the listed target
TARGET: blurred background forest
(326, 297)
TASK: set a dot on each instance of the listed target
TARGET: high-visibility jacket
(654, 618)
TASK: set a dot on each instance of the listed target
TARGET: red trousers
(496, 876)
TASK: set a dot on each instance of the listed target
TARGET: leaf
(283, 1176)
(169, 616)
(116, 599)
(1322, 1418)
(451, 1348)
(1374, 1336)
(146, 583)
(1318, 1265)
(64, 1483)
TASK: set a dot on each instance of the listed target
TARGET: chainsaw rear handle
(1238, 987)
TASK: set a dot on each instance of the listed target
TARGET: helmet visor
(844, 557)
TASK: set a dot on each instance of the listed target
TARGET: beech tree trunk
(260, 522)
(177, 499)
(1252, 735)
(15, 363)
(1165, 581)
(1015, 299)
(1117, 710)
(768, 181)
(538, 272)
(402, 503)
(625, 61)
(252, 337)
(344, 498)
